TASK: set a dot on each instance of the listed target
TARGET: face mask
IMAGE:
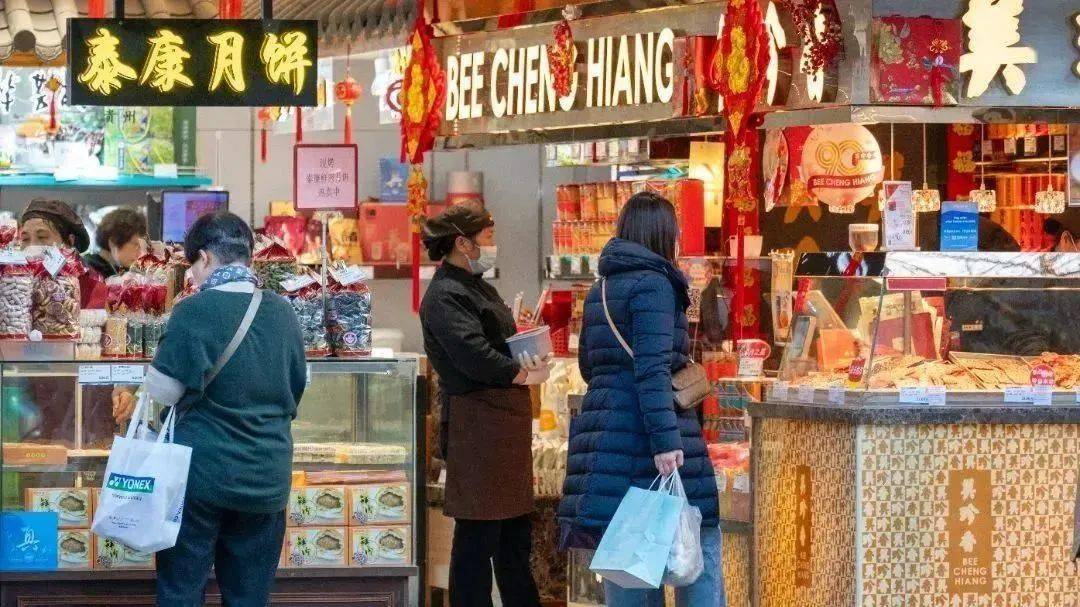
(485, 262)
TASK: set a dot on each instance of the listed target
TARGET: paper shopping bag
(634, 550)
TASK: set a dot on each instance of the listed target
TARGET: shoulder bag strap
(238, 337)
(611, 323)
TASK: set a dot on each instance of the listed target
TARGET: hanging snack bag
(273, 263)
(349, 323)
(114, 334)
(54, 294)
(306, 295)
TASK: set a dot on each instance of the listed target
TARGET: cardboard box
(387, 545)
(315, 547)
(318, 506)
(31, 454)
(379, 503)
(385, 236)
(110, 554)
(74, 549)
(73, 507)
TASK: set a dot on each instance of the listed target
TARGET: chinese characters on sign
(993, 35)
(970, 525)
(804, 520)
(325, 176)
(192, 62)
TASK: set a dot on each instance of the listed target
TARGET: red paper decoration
(561, 55)
(347, 91)
(825, 48)
(265, 117)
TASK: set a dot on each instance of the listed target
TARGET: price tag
(295, 283)
(307, 376)
(721, 482)
(741, 483)
(1009, 143)
(128, 374)
(575, 265)
(163, 170)
(780, 390)
(935, 395)
(1018, 394)
(836, 395)
(12, 257)
(1031, 145)
(912, 395)
(574, 340)
(349, 275)
(1078, 394)
(1042, 395)
(53, 259)
(806, 394)
(750, 367)
(95, 374)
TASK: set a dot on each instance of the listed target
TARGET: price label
(128, 374)
(574, 341)
(12, 257)
(741, 483)
(349, 275)
(295, 283)
(806, 394)
(1009, 143)
(912, 395)
(575, 265)
(307, 376)
(53, 259)
(1018, 394)
(836, 395)
(721, 482)
(780, 390)
(935, 395)
(163, 170)
(751, 367)
(95, 374)
(1031, 145)
(1042, 395)
(1078, 395)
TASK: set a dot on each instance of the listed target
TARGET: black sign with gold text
(192, 62)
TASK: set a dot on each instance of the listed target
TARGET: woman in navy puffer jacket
(629, 428)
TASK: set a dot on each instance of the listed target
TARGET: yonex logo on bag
(130, 484)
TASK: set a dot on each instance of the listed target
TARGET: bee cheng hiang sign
(192, 62)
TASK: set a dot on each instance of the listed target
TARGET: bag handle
(168, 428)
(234, 344)
(140, 416)
(610, 322)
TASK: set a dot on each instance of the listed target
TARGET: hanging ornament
(53, 84)
(265, 118)
(1050, 201)
(422, 95)
(987, 199)
(299, 125)
(925, 200)
(347, 91)
(824, 46)
(95, 9)
(561, 56)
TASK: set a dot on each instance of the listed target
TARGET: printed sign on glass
(192, 62)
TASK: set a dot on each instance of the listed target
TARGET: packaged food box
(32, 454)
(390, 545)
(385, 237)
(381, 503)
(317, 506)
(315, 547)
(74, 549)
(73, 507)
(111, 554)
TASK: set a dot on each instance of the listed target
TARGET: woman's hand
(123, 403)
(534, 369)
(668, 463)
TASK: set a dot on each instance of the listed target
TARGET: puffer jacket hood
(620, 256)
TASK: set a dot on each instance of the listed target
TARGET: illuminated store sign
(627, 70)
(192, 62)
(993, 39)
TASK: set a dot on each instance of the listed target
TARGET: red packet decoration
(915, 60)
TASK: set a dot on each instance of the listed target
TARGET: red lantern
(265, 117)
(347, 92)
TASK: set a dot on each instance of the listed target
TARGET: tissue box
(111, 554)
(315, 547)
(74, 549)
(73, 507)
(382, 503)
(317, 506)
(390, 545)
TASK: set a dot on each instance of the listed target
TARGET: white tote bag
(142, 496)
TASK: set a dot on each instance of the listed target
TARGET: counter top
(991, 413)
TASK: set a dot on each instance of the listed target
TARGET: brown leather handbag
(690, 384)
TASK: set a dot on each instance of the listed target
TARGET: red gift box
(385, 232)
(688, 196)
(915, 60)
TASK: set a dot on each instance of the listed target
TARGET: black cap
(62, 216)
(441, 231)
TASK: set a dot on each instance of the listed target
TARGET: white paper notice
(899, 216)
(95, 374)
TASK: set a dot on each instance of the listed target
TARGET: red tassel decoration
(299, 125)
(95, 9)
(265, 117)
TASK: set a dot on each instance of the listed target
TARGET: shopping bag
(142, 496)
(685, 561)
(633, 553)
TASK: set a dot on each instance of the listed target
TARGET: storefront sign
(804, 523)
(970, 525)
(899, 216)
(842, 165)
(993, 46)
(192, 62)
(325, 176)
(959, 226)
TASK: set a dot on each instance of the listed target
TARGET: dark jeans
(478, 543)
(243, 549)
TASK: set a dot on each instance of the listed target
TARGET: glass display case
(351, 511)
(933, 327)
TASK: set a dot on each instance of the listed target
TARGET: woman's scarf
(227, 274)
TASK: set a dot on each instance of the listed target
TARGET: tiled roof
(341, 20)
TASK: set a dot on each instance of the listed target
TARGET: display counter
(353, 533)
(967, 503)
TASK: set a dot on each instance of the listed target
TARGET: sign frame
(300, 205)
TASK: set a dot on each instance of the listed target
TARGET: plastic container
(534, 342)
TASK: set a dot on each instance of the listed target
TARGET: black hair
(649, 220)
(120, 227)
(222, 233)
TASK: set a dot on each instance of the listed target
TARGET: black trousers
(479, 544)
(243, 548)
